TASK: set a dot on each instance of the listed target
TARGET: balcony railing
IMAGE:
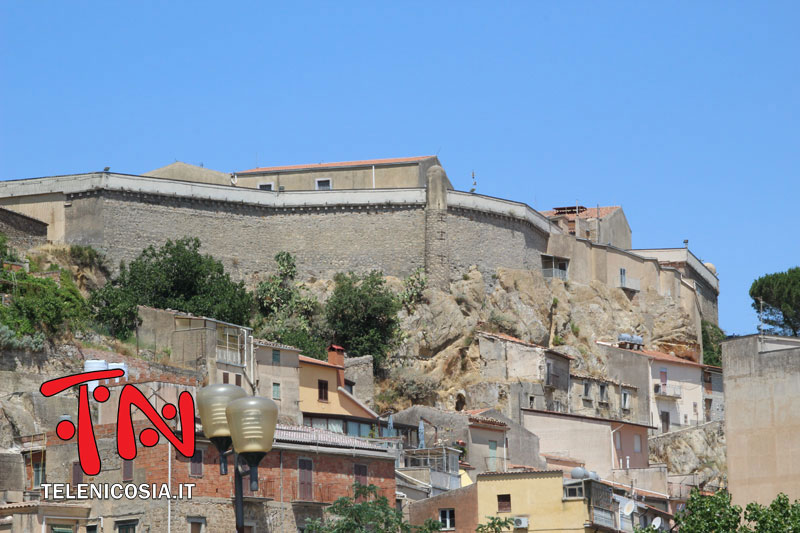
(668, 391)
(629, 283)
(602, 517)
(555, 273)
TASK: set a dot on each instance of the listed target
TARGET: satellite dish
(629, 507)
(656, 522)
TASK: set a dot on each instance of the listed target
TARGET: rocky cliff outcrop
(698, 452)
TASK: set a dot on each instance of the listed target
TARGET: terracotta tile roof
(487, 421)
(526, 471)
(311, 360)
(586, 417)
(505, 337)
(309, 435)
(591, 212)
(273, 344)
(665, 357)
(647, 493)
(557, 457)
(340, 164)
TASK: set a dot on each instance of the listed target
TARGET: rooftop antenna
(685, 243)
(474, 183)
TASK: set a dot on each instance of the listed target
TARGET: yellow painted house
(535, 500)
(327, 402)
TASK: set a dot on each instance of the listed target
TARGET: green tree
(780, 294)
(712, 337)
(174, 276)
(716, 514)
(289, 315)
(366, 512)
(495, 525)
(362, 312)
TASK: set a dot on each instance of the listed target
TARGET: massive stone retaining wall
(394, 231)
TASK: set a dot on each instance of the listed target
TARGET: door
(492, 463)
(306, 467)
(664, 421)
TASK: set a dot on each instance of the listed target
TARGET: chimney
(336, 357)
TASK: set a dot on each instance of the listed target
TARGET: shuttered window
(504, 503)
(77, 473)
(306, 474)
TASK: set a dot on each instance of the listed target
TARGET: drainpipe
(283, 510)
(373, 176)
(169, 486)
(612, 446)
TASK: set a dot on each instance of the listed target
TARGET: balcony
(555, 273)
(631, 284)
(670, 392)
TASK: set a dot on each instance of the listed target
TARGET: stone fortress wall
(394, 230)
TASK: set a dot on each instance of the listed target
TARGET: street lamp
(228, 417)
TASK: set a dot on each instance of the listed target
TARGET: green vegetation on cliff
(174, 276)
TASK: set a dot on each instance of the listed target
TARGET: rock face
(568, 316)
(698, 452)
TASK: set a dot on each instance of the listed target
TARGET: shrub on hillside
(362, 313)
(174, 276)
(41, 304)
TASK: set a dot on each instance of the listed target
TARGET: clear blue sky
(685, 113)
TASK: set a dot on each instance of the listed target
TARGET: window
(663, 376)
(549, 376)
(324, 184)
(38, 473)
(617, 440)
(360, 473)
(276, 357)
(91, 529)
(637, 443)
(127, 470)
(61, 529)
(225, 377)
(322, 387)
(603, 393)
(196, 524)
(348, 386)
(196, 464)
(238, 380)
(587, 389)
(448, 518)
(492, 460)
(504, 503)
(77, 473)
(128, 526)
(574, 491)
(265, 186)
(626, 399)
(276, 391)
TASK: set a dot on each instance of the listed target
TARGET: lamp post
(230, 417)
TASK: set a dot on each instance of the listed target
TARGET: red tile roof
(505, 337)
(665, 357)
(526, 471)
(591, 212)
(340, 164)
(311, 360)
(309, 435)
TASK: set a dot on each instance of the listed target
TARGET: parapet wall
(392, 230)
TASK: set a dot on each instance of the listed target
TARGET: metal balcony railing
(555, 273)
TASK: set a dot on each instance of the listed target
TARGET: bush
(41, 305)
(414, 385)
(175, 276)
(88, 257)
(712, 337)
(287, 314)
(558, 341)
(7, 253)
(575, 329)
(10, 340)
(362, 313)
(502, 322)
(413, 289)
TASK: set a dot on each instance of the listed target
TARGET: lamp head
(252, 421)
(212, 402)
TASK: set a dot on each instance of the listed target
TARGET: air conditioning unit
(520, 522)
